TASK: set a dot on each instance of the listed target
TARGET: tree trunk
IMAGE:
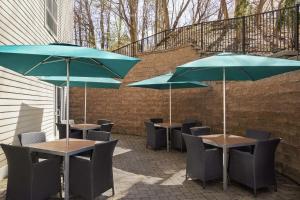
(224, 9)
(91, 30)
(101, 23)
(133, 5)
(108, 36)
(166, 19)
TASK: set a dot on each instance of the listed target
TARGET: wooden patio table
(168, 126)
(60, 148)
(85, 127)
(229, 141)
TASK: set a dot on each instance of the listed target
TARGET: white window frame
(54, 18)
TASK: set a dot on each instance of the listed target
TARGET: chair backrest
(19, 163)
(264, 151)
(71, 121)
(200, 130)
(156, 120)
(192, 120)
(194, 146)
(31, 138)
(150, 128)
(101, 163)
(186, 127)
(257, 134)
(103, 121)
(98, 135)
(106, 127)
(61, 130)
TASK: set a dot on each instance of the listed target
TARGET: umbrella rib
(105, 67)
(247, 73)
(59, 60)
(54, 61)
(118, 76)
(188, 70)
(35, 66)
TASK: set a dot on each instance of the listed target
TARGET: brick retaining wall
(271, 104)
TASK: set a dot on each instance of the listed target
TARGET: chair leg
(113, 190)
(186, 176)
(203, 184)
(181, 145)
(275, 187)
(60, 190)
(254, 190)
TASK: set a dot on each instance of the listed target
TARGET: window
(51, 16)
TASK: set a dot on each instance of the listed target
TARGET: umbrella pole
(170, 104)
(68, 92)
(85, 94)
(224, 133)
(170, 117)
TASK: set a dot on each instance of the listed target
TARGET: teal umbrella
(52, 60)
(64, 60)
(85, 82)
(161, 83)
(229, 66)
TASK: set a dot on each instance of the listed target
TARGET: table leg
(168, 148)
(84, 132)
(225, 164)
(66, 176)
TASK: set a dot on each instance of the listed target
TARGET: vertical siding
(27, 104)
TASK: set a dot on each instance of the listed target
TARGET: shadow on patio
(140, 173)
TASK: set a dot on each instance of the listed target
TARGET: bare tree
(165, 11)
(90, 26)
(182, 8)
(223, 9)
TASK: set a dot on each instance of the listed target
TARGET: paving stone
(144, 174)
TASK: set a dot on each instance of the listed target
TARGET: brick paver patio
(140, 173)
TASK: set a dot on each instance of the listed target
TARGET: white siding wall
(27, 104)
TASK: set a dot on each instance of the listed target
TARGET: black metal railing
(267, 32)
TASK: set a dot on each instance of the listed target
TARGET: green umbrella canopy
(50, 60)
(161, 83)
(85, 82)
(229, 66)
(89, 82)
(237, 67)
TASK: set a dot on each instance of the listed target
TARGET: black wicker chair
(255, 170)
(200, 130)
(28, 180)
(105, 127)
(177, 141)
(72, 132)
(204, 164)
(192, 120)
(254, 134)
(98, 135)
(103, 121)
(257, 134)
(35, 137)
(31, 138)
(90, 178)
(156, 120)
(156, 137)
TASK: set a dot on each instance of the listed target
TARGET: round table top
(85, 126)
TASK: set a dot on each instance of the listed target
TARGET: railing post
(142, 45)
(297, 28)
(165, 39)
(244, 34)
